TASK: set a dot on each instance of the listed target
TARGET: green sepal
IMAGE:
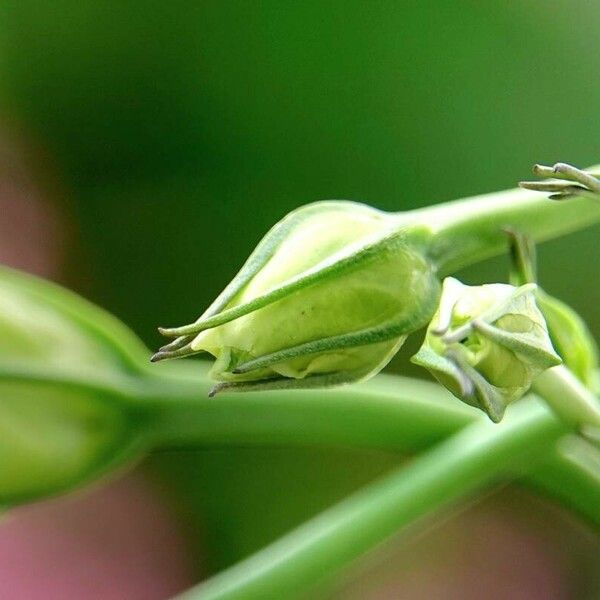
(353, 257)
(572, 339)
(56, 437)
(566, 181)
(40, 320)
(322, 380)
(521, 344)
(387, 331)
(257, 259)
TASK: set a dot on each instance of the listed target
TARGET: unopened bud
(56, 430)
(328, 297)
(487, 343)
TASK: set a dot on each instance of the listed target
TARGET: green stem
(389, 412)
(454, 469)
(394, 413)
(572, 479)
(470, 230)
(557, 387)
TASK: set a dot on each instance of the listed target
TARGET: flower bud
(487, 343)
(60, 425)
(328, 297)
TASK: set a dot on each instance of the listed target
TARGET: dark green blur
(181, 131)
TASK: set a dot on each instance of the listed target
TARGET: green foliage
(65, 424)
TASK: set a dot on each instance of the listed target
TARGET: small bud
(56, 431)
(328, 297)
(487, 343)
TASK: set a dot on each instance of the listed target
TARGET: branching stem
(456, 468)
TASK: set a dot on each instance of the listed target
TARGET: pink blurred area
(118, 542)
(512, 545)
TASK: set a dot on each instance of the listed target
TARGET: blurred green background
(167, 137)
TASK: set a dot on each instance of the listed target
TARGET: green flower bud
(60, 423)
(43, 323)
(52, 439)
(328, 297)
(487, 343)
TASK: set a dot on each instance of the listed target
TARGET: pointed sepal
(487, 343)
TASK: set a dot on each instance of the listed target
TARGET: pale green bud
(328, 297)
(60, 425)
(487, 343)
(43, 323)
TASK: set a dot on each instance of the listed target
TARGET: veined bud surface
(487, 343)
(328, 297)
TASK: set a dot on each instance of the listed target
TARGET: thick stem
(452, 470)
(394, 413)
(389, 412)
(470, 230)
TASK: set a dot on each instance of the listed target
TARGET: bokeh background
(145, 147)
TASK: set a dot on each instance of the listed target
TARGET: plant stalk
(454, 469)
(467, 231)
(557, 387)
(389, 413)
